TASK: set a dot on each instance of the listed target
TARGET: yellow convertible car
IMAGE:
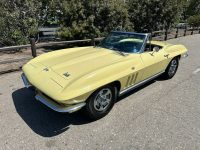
(93, 77)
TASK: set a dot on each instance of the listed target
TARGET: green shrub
(194, 21)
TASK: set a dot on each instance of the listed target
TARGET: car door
(154, 62)
(133, 71)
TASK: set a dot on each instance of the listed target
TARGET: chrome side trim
(57, 108)
(25, 80)
(140, 83)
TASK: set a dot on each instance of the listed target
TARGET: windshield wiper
(118, 51)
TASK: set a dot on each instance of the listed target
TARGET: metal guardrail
(161, 35)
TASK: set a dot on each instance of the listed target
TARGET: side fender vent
(131, 79)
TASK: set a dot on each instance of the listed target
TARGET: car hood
(72, 64)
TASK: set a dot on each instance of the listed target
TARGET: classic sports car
(93, 77)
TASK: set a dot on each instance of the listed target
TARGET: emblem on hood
(66, 74)
(45, 69)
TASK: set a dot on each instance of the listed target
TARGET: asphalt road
(161, 115)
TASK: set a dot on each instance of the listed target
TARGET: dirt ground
(13, 60)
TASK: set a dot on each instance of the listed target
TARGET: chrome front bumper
(185, 55)
(51, 104)
(25, 80)
(54, 106)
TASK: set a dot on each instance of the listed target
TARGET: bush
(18, 21)
(194, 21)
(79, 19)
(85, 19)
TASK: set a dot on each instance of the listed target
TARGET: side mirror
(156, 49)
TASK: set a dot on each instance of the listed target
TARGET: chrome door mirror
(156, 49)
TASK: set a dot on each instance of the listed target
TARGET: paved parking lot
(160, 115)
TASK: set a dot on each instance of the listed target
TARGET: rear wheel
(101, 102)
(172, 68)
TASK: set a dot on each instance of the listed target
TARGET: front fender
(176, 50)
(96, 79)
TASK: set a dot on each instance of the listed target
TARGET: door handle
(166, 55)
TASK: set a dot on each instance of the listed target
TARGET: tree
(193, 7)
(83, 18)
(79, 19)
(18, 21)
(49, 12)
(194, 21)
(152, 15)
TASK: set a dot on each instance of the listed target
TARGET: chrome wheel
(103, 99)
(173, 67)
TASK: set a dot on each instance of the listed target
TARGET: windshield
(124, 42)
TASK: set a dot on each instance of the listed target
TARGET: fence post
(176, 33)
(93, 41)
(166, 33)
(33, 47)
(192, 31)
(185, 31)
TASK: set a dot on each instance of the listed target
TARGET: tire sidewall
(168, 68)
(92, 112)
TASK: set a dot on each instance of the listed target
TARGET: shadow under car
(41, 119)
(46, 122)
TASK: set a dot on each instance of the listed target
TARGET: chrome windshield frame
(147, 35)
(145, 43)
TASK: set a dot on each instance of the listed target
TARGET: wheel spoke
(102, 96)
(107, 93)
(101, 108)
(106, 103)
(173, 68)
(103, 99)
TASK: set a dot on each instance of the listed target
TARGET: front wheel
(101, 102)
(172, 68)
